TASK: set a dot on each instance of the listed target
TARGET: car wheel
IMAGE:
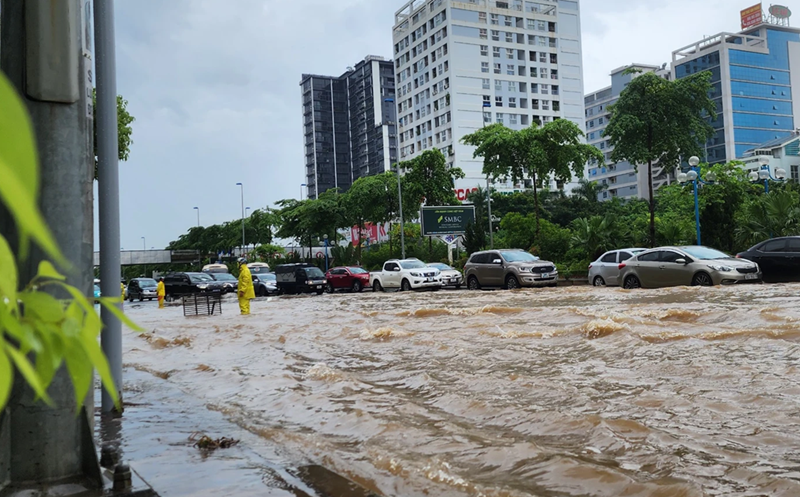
(599, 281)
(329, 288)
(357, 287)
(632, 283)
(702, 279)
(473, 284)
(405, 286)
(377, 287)
(512, 283)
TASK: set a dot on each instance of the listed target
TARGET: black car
(142, 288)
(177, 285)
(229, 282)
(300, 278)
(778, 258)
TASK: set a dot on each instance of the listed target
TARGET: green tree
(428, 178)
(553, 151)
(124, 128)
(656, 120)
(474, 239)
(594, 235)
(588, 190)
(772, 215)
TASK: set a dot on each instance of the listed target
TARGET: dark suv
(142, 288)
(177, 285)
(300, 278)
(509, 269)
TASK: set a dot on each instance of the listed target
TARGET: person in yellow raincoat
(246, 289)
(122, 291)
(161, 292)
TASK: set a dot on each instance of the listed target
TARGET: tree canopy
(124, 128)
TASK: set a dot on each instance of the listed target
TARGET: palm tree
(772, 215)
(674, 232)
(589, 190)
(594, 234)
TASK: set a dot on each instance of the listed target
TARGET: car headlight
(416, 275)
(724, 269)
(324, 282)
(202, 286)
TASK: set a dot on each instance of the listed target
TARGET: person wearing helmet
(161, 292)
(246, 289)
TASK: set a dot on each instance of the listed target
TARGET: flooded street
(563, 392)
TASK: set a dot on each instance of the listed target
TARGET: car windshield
(412, 265)
(267, 277)
(147, 283)
(315, 272)
(259, 269)
(200, 278)
(705, 253)
(224, 277)
(358, 270)
(518, 257)
(440, 266)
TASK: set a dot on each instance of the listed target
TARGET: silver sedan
(684, 266)
(605, 270)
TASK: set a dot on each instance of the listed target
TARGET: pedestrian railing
(202, 304)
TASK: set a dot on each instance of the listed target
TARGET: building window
(533, 72)
(543, 57)
(486, 81)
(545, 104)
(495, 35)
(482, 17)
(498, 68)
(487, 100)
(512, 102)
(545, 89)
(495, 19)
(512, 119)
(484, 50)
(509, 37)
(508, 20)
(510, 69)
(498, 101)
(496, 51)
(512, 86)
(500, 118)
(487, 117)
(534, 88)
(796, 174)
(543, 73)
(510, 53)
(531, 24)
(483, 34)
(484, 67)
(498, 84)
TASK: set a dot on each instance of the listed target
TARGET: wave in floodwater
(565, 392)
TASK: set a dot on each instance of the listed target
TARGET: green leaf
(8, 273)
(98, 359)
(19, 171)
(79, 366)
(6, 377)
(44, 306)
(47, 270)
(112, 304)
(26, 369)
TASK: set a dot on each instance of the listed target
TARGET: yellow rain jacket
(246, 289)
(160, 290)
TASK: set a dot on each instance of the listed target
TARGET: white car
(605, 270)
(405, 275)
(450, 276)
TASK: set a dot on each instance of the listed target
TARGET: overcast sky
(213, 85)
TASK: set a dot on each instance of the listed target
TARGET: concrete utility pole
(47, 57)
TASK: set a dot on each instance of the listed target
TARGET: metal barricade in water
(202, 304)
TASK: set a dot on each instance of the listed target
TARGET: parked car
(778, 258)
(215, 268)
(177, 285)
(406, 275)
(605, 270)
(97, 292)
(684, 266)
(347, 278)
(508, 269)
(259, 268)
(300, 278)
(142, 288)
(265, 284)
(230, 283)
(450, 275)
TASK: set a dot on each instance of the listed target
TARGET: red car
(347, 278)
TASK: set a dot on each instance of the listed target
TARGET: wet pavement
(560, 392)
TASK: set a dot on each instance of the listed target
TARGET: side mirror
(681, 261)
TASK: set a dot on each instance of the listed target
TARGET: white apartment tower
(460, 65)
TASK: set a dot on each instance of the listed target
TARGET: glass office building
(753, 74)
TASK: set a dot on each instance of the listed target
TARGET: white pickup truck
(405, 275)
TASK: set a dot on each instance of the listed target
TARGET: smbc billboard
(446, 220)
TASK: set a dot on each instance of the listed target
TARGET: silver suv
(508, 269)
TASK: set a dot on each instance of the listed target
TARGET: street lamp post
(765, 174)
(198, 216)
(489, 207)
(144, 247)
(242, 187)
(694, 176)
(402, 224)
(302, 185)
(326, 252)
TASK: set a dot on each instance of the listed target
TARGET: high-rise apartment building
(753, 73)
(621, 179)
(461, 65)
(349, 125)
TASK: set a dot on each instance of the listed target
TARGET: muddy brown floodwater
(563, 392)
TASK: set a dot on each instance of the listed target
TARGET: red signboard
(780, 12)
(752, 16)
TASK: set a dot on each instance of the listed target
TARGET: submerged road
(562, 392)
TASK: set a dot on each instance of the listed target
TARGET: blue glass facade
(761, 93)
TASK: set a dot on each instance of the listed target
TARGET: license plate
(545, 275)
(753, 276)
(431, 279)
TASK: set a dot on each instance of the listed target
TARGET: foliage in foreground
(33, 321)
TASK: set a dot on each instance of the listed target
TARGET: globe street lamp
(765, 175)
(693, 176)
(198, 216)
(326, 252)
